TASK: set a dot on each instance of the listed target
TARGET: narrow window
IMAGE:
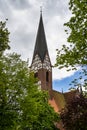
(36, 75)
(47, 76)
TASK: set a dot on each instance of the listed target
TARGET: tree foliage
(11, 89)
(75, 52)
(74, 116)
(41, 116)
(4, 37)
(22, 104)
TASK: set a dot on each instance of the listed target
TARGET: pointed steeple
(40, 45)
(41, 64)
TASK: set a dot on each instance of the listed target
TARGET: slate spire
(40, 45)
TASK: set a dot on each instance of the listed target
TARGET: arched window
(47, 76)
(36, 75)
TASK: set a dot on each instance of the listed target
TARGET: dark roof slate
(40, 45)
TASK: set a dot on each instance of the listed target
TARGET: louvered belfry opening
(47, 76)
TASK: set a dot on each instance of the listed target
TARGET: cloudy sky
(23, 19)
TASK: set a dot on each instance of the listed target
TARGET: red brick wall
(42, 77)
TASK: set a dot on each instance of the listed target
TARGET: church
(42, 68)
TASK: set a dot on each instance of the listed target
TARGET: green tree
(74, 116)
(4, 37)
(11, 89)
(40, 115)
(22, 104)
(75, 52)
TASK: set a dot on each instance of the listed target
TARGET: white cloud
(62, 73)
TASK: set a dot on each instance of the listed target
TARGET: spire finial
(40, 9)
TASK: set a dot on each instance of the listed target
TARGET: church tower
(41, 64)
